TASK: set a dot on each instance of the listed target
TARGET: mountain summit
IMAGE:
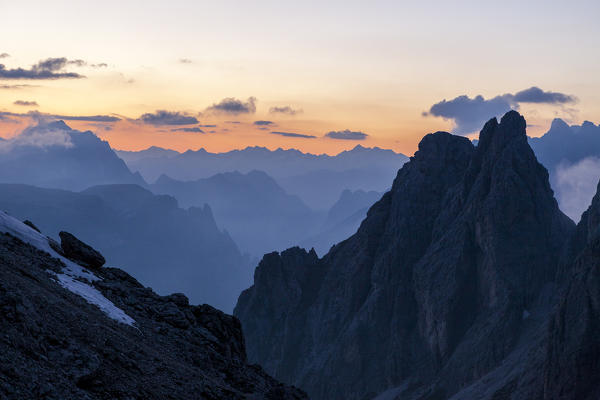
(445, 291)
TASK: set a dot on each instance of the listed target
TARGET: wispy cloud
(234, 106)
(293, 135)
(163, 117)
(263, 123)
(185, 61)
(26, 103)
(346, 135)
(284, 110)
(191, 130)
(50, 68)
(4, 55)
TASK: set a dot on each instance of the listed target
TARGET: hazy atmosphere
(300, 200)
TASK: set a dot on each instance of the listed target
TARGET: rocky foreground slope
(465, 281)
(67, 332)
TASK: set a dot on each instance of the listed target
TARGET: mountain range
(317, 179)
(464, 281)
(53, 155)
(150, 236)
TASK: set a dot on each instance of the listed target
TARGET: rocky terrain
(464, 281)
(71, 333)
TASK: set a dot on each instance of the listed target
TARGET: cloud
(576, 185)
(284, 110)
(294, 135)
(536, 95)
(208, 126)
(470, 114)
(185, 61)
(162, 117)
(46, 117)
(50, 68)
(346, 135)
(194, 129)
(99, 65)
(4, 55)
(234, 106)
(8, 87)
(91, 118)
(38, 137)
(233, 122)
(26, 103)
(262, 123)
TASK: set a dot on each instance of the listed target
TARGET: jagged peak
(439, 144)
(558, 123)
(494, 135)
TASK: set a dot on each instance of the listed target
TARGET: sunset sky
(372, 73)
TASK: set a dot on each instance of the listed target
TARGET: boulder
(79, 252)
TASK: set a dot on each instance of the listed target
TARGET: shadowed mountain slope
(446, 290)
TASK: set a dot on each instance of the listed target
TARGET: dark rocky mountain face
(67, 333)
(572, 368)
(445, 291)
(53, 155)
(164, 246)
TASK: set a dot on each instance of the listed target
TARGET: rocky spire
(430, 293)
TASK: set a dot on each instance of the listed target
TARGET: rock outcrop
(57, 341)
(446, 290)
(79, 252)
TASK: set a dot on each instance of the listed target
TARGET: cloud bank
(346, 135)
(576, 185)
(469, 114)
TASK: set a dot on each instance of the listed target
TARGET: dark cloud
(536, 95)
(194, 129)
(4, 55)
(99, 65)
(38, 115)
(185, 61)
(91, 118)
(295, 135)
(263, 122)
(207, 126)
(346, 135)
(162, 117)
(470, 114)
(51, 68)
(26, 103)
(234, 106)
(284, 110)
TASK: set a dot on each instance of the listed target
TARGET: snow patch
(72, 271)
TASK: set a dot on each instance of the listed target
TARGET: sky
(318, 76)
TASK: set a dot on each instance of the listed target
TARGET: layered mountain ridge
(447, 290)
